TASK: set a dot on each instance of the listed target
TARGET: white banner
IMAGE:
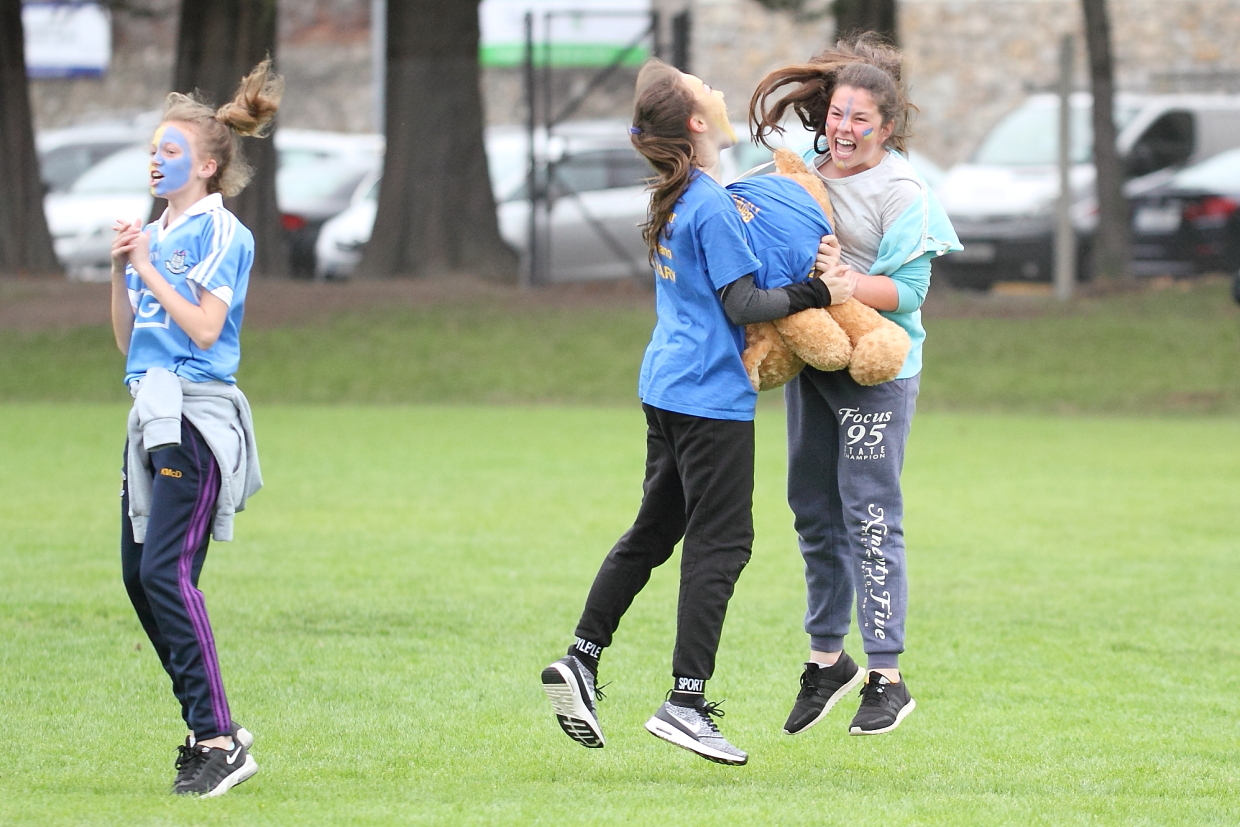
(582, 32)
(66, 39)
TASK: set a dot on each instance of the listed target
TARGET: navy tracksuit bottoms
(161, 576)
(845, 454)
(699, 486)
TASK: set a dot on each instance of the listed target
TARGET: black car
(1189, 224)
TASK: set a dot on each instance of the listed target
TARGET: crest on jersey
(176, 265)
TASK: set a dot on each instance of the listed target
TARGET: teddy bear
(848, 335)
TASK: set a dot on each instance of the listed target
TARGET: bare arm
(122, 311)
(878, 292)
(202, 322)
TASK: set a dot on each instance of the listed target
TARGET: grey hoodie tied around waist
(221, 414)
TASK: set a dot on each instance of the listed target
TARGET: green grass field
(394, 592)
(1154, 351)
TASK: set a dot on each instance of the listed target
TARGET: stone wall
(969, 61)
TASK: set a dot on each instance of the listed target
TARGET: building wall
(969, 61)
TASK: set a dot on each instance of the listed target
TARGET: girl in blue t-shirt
(699, 407)
(178, 297)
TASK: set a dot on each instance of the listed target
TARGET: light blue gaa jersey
(206, 249)
(693, 362)
(784, 225)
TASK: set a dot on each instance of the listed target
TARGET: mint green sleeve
(912, 280)
(923, 228)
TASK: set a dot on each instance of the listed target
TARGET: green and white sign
(566, 32)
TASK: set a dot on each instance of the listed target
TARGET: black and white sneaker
(883, 706)
(209, 771)
(691, 728)
(821, 688)
(570, 687)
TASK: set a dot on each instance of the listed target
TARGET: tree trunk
(25, 243)
(853, 16)
(219, 42)
(436, 213)
(1111, 241)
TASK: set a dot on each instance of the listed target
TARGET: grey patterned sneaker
(883, 706)
(821, 688)
(570, 687)
(691, 728)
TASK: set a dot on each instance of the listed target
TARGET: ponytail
(661, 109)
(249, 113)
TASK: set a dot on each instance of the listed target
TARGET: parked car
(64, 154)
(318, 171)
(81, 218)
(1189, 222)
(1002, 201)
(311, 192)
(599, 199)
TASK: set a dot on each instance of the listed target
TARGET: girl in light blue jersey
(178, 299)
(699, 408)
(846, 441)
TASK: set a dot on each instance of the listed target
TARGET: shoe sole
(832, 701)
(570, 709)
(900, 716)
(661, 729)
(244, 772)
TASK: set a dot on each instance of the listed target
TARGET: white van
(1002, 201)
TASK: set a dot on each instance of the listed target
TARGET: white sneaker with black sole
(570, 688)
(691, 728)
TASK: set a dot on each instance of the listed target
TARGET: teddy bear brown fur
(848, 335)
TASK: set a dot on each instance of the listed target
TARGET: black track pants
(161, 576)
(699, 486)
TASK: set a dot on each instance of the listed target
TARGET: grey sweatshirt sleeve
(745, 303)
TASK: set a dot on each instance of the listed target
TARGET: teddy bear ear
(788, 162)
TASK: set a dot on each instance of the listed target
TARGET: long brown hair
(662, 106)
(866, 61)
(250, 112)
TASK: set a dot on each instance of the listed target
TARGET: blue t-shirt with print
(206, 249)
(693, 362)
(784, 225)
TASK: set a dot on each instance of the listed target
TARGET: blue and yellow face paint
(868, 134)
(176, 168)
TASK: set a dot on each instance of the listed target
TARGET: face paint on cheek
(868, 134)
(175, 171)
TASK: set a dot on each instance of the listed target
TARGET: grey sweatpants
(845, 453)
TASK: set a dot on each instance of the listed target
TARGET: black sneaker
(208, 771)
(570, 687)
(883, 706)
(691, 728)
(821, 688)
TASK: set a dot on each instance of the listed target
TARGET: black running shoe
(208, 771)
(570, 687)
(691, 728)
(883, 706)
(821, 688)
